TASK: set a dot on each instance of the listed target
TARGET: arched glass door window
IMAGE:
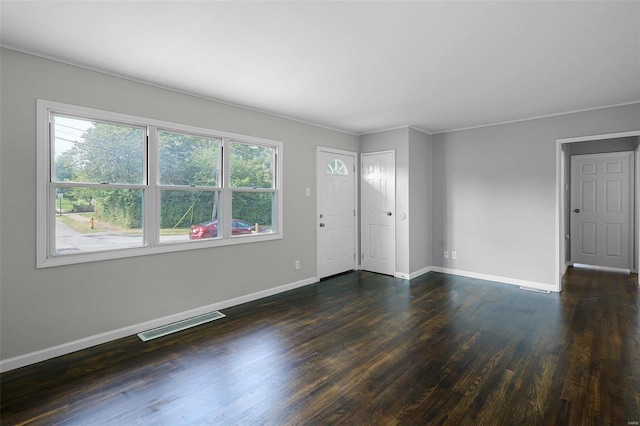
(337, 167)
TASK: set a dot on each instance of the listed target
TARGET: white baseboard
(87, 342)
(421, 272)
(505, 280)
(414, 274)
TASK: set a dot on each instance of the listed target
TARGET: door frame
(629, 156)
(562, 207)
(355, 203)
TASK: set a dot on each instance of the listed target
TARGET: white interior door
(336, 216)
(378, 212)
(601, 194)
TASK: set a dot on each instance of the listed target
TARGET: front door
(601, 195)
(336, 216)
(378, 212)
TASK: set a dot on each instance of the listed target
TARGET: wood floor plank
(362, 349)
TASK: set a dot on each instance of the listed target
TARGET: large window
(112, 185)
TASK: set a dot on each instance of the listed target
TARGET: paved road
(69, 240)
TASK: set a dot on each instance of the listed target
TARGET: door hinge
(354, 256)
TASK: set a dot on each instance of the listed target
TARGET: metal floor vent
(180, 325)
(535, 290)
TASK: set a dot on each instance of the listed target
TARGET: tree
(252, 167)
(114, 154)
(110, 154)
(188, 160)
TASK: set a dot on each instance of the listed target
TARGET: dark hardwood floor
(364, 349)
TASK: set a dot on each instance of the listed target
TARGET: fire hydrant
(91, 223)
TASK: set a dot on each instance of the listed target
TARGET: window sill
(169, 247)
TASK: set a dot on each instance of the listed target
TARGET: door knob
(577, 210)
(322, 225)
(389, 213)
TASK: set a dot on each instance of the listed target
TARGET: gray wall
(494, 189)
(397, 140)
(488, 193)
(419, 200)
(413, 193)
(42, 308)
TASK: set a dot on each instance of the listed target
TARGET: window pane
(336, 167)
(188, 160)
(188, 215)
(252, 166)
(250, 209)
(98, 219)
(97, 152)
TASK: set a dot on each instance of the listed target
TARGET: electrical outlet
(454, 254)
(297, 264)
(446, 254)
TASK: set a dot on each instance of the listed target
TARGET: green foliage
(188, 160)
(253, 207)
(251, 166)
(120, 207)
(111, 153)
(115, 154)
(181, 209)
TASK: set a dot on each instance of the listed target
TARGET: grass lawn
(82, 226)
(65, 204)
(76, 225)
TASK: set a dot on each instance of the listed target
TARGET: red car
(209, 229)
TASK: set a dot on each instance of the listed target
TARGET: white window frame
(45, 203)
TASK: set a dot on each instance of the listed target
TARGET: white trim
(356, 194)
(559, 114)
(495, 278)
(172, 89)
(151, 244)
(630, 158)
(335, 151)
(87, 342)
(600, 137)
(396, 128)
(383, 130)
(560, 204)
(419, 129)
(285, 117)
(637, 218)
(413, 274)
(422, 271)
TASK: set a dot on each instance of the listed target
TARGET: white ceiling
(354, 66)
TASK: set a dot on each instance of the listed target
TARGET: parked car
(209, 229)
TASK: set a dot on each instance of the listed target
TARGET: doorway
(336, 211)
(601, 210)
(378, 212)
(563, 192)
